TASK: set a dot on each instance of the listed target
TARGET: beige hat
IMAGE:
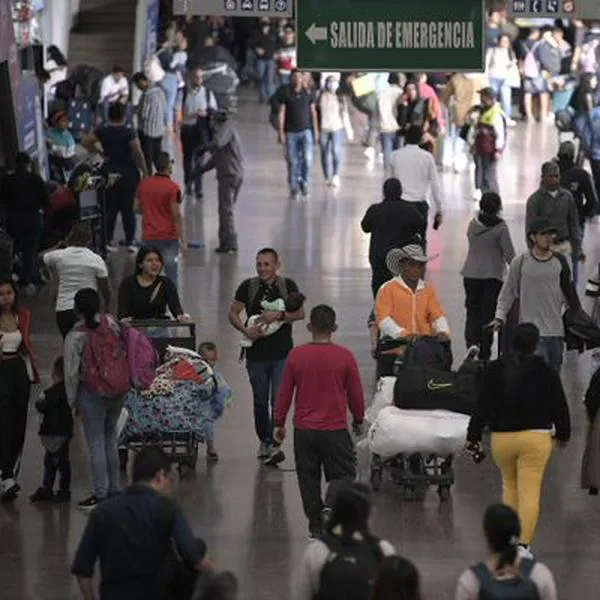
(410, 252)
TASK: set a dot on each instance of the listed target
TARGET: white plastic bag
(384, 397)
(397, 431)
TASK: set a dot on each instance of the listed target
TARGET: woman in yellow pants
(523, 402)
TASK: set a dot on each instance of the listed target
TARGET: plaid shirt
(152, 111)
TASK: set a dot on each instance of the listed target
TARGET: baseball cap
(541, 225)
(411, 252)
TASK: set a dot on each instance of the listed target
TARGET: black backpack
(521, 587)
(350, 569)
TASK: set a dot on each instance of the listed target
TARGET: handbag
(513, 77)
(153, 70)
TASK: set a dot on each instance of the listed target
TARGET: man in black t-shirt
(266, 357)
(298, 130)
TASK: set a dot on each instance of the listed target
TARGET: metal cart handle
(144, 323)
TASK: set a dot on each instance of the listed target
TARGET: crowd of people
(422, 122)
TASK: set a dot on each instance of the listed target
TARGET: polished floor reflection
(251, 517)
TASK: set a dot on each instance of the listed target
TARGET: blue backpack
(520, 587)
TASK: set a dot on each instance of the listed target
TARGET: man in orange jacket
(407, 306)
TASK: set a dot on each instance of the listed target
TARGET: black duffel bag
(421, 387)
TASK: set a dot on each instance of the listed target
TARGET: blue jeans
(265, 378)
(504, 93)
(299, 159)
(331, 149)
(265, 70)
(170, 86)
(170, 253)
(551, 349)
(389, 143)
(100, 416)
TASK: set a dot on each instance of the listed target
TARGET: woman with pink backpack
(97, 376)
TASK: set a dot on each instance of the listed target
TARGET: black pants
(151, 147)
(486, 173)
(191, 140)
(380, 275)
(14, 402)
(65, 319)
(330, 452)
(423, 208)
(26, 234)
(58, 462)
(595, 166)
(481, 296)
(119, 199)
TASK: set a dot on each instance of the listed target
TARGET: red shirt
(157, 194)
(327, 383)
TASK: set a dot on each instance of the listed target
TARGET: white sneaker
(472, 353)
(132, 249)
(511, 123)
(369, 153)
(9, 489)
(335, 182)
(525, 552)
(477, 195)
(111, 247)
(328, 182)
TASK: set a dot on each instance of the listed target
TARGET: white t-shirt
(77, 268)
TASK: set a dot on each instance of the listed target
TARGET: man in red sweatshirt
(326, 383)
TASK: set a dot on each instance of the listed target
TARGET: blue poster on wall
(151, 39)
(29, 120)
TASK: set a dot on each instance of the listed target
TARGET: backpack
(104, 362)
(254, 289)
(531, 65)
(142, 357)
(350, 569)
(520, 587)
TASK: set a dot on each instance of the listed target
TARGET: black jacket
(519, 397)
(580, 183)
(392, 224)
(57, 419)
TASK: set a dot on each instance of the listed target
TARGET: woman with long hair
(504, 564)
(522, 400)
(99, 413)
(397, 579)
(347, 531)
(147, 294)
(17, 373)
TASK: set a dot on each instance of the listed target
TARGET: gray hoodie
(490, 249)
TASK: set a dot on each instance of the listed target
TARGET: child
(292, 303)
(209, 352)
(56, 431)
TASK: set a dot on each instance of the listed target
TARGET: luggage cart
(181, 447)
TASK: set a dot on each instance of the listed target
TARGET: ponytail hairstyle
(87, 306)
(502, 530)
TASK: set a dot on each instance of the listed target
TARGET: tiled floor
(260, 534)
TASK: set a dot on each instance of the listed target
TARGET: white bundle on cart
(398, 431)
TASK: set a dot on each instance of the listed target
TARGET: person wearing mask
(541, 281)
(323, 381)
(348, 532)
(151, 111)
(128, 535)
(490, 251)
(147, 294)
(265, 359)
(388, 103)
(500, 62)
(225, 156)
(25, 196)
(407, 305)
(522, 401)
(557, 205)
(286, 56)
(113, 88)
(397, 579)
(77, 267)
(505, 566)
(488, 142)
(123, 156)
(335, 118)
(417, 171)
(393, 223)
(264, 44)
(298, 128)
(99, 414)
(17, 372)
(580, 184)
(197, 102)
(159, 200)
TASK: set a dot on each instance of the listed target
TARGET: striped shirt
(197, 100)
(152, 111)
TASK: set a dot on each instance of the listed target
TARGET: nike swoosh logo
(434, 386)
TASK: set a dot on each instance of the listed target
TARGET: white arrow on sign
(316, 34)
